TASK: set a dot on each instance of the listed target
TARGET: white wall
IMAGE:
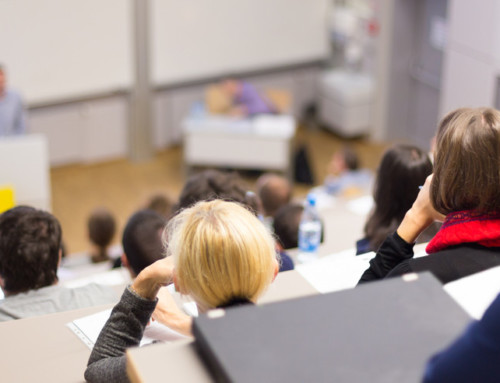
(57, 50)
(196, 39)
(60, 49)
(472, 55)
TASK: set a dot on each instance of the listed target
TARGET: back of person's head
(30, 241)
(286, 225)
(101, 227)
(274, 191)
(214, 184)
(402, 170)
(142, 239)
(351, 159)
(467, 162)
(162, 204)
(222, 253)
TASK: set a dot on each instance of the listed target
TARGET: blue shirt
(12, 119)
(474, 357)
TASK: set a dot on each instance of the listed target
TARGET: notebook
(380, 332)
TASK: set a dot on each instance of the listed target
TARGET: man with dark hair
(12, 119)
(274, 191)
(286, 225)
(30, 252)
(142, 242)
(214, 184)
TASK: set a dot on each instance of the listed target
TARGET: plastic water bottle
(309, 231)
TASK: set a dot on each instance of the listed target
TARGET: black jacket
(395, 257)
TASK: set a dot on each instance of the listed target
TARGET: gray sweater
(124, 329)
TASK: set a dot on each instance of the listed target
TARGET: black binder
(379, 332)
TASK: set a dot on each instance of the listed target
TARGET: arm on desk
(168, 313)
(390, 259)
(125, 327)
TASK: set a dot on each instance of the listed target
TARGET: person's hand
(168, 313)
(152, 278)
(420, 215)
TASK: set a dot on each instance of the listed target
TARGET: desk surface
(184, 365)
(43, 349)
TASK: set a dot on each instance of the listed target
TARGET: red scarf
(465, 227)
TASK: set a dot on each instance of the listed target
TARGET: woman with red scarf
(464, 191)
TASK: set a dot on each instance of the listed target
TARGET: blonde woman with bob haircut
(230, 257)
(218, 253)
(464, 192)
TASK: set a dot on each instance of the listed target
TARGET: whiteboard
(59, 49)
(195, 39)
(63, 49)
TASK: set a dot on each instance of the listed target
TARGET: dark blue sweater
(474, 357)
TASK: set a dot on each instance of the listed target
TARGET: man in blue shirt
(12, 119)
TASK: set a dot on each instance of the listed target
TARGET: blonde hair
(221, 252)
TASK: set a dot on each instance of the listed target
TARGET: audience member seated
(402, 170)
(142, 244)
(218, 253)
(464, 193)
(345, 177)
(12, 115)
(274, 192)
(474, 356)
(286, 230)
(30, 252)
(101, 227)
(162, 204)
(286, 225)
(214, 184)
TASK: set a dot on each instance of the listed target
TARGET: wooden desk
(184, 365)
(43, 349)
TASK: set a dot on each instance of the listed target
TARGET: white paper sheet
(89, 327)
(476, 292)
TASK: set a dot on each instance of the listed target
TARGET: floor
(123, 186)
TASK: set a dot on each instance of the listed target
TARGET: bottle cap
(311, 199)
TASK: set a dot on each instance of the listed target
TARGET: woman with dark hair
(402, 170)
(464, 192)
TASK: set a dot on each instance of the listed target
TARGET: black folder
(379, 332)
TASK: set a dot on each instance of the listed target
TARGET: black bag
(302, 168)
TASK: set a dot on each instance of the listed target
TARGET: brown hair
(467, 162)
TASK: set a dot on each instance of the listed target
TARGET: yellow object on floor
(7, 199)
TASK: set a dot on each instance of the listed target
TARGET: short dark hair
(402, 170)
(101, 227)
(286, 225)
(467, 162)
(350, 158)
(141, 239)
(274, 191)
(30, 241)
(214, 184)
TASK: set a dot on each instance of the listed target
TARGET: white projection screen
(64, 49)
(193, 39)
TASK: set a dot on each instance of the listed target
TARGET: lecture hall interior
(323, 118)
